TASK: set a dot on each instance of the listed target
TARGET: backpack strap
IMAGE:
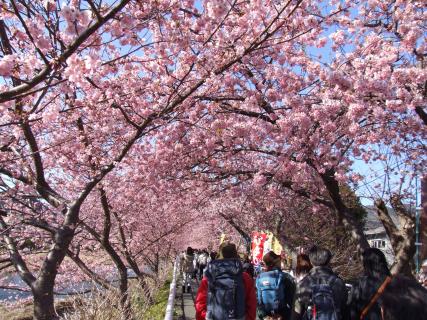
(376, 296)
(331, 281)
(279, 276)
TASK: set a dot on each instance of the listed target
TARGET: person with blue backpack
(321, 294)
(226, 292)
(275, 290)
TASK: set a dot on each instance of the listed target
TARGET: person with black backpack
(275, 290)
(202, 259)
(321, 295)
(187, 268)
(226, 292)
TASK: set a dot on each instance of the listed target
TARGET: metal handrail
(172, 291)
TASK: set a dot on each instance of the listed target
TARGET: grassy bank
(104, 305)
(157, 310)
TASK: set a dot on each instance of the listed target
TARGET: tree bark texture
(345, 216)
(43, 301)
(402, 238)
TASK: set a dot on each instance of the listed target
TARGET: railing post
(172, 291)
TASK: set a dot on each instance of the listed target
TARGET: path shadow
(184, 302)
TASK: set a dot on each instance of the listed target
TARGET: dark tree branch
(53, 65)
(389, 226)
(422, 114)
(86, 270)
(15, 256)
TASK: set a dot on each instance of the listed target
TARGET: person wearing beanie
(322, 282)
(226, 292)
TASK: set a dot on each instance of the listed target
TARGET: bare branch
(94, 9)
(86, 270)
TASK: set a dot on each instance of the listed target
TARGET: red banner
(258, 240)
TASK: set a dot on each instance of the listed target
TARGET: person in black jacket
(376, 271)
(320, 274)
(404, 298)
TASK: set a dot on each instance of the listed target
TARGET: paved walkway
(184, 302)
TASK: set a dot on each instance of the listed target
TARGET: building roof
(372, 222)
(378, 230)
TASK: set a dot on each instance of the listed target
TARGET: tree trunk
(42, 288)
(243, 233)
(114, 255)
(345, 216)
(157, 263)
(124, 295)
(44, 308)
(123, 281)
(404, 263)
(402, 238)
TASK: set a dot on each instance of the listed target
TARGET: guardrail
(172, 291)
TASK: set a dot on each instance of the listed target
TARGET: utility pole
(422, 242)
(417, 229)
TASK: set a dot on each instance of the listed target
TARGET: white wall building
(376, 234)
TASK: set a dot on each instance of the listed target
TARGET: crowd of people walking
(231, 288)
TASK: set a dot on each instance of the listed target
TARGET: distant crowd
(232, 288)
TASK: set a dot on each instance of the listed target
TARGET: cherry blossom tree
(136, 232)
(90, 88)
(217, 97)
(291, 118)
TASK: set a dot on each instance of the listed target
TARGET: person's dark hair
(213, 255)
(271, 260)
(375, 263)
(190, 251)
(319, 256)
(229, 251)
(245, 258)
(303, 264)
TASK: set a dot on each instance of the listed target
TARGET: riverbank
(147, 303)
(25, 311)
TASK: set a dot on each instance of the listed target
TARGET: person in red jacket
(226, 271)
